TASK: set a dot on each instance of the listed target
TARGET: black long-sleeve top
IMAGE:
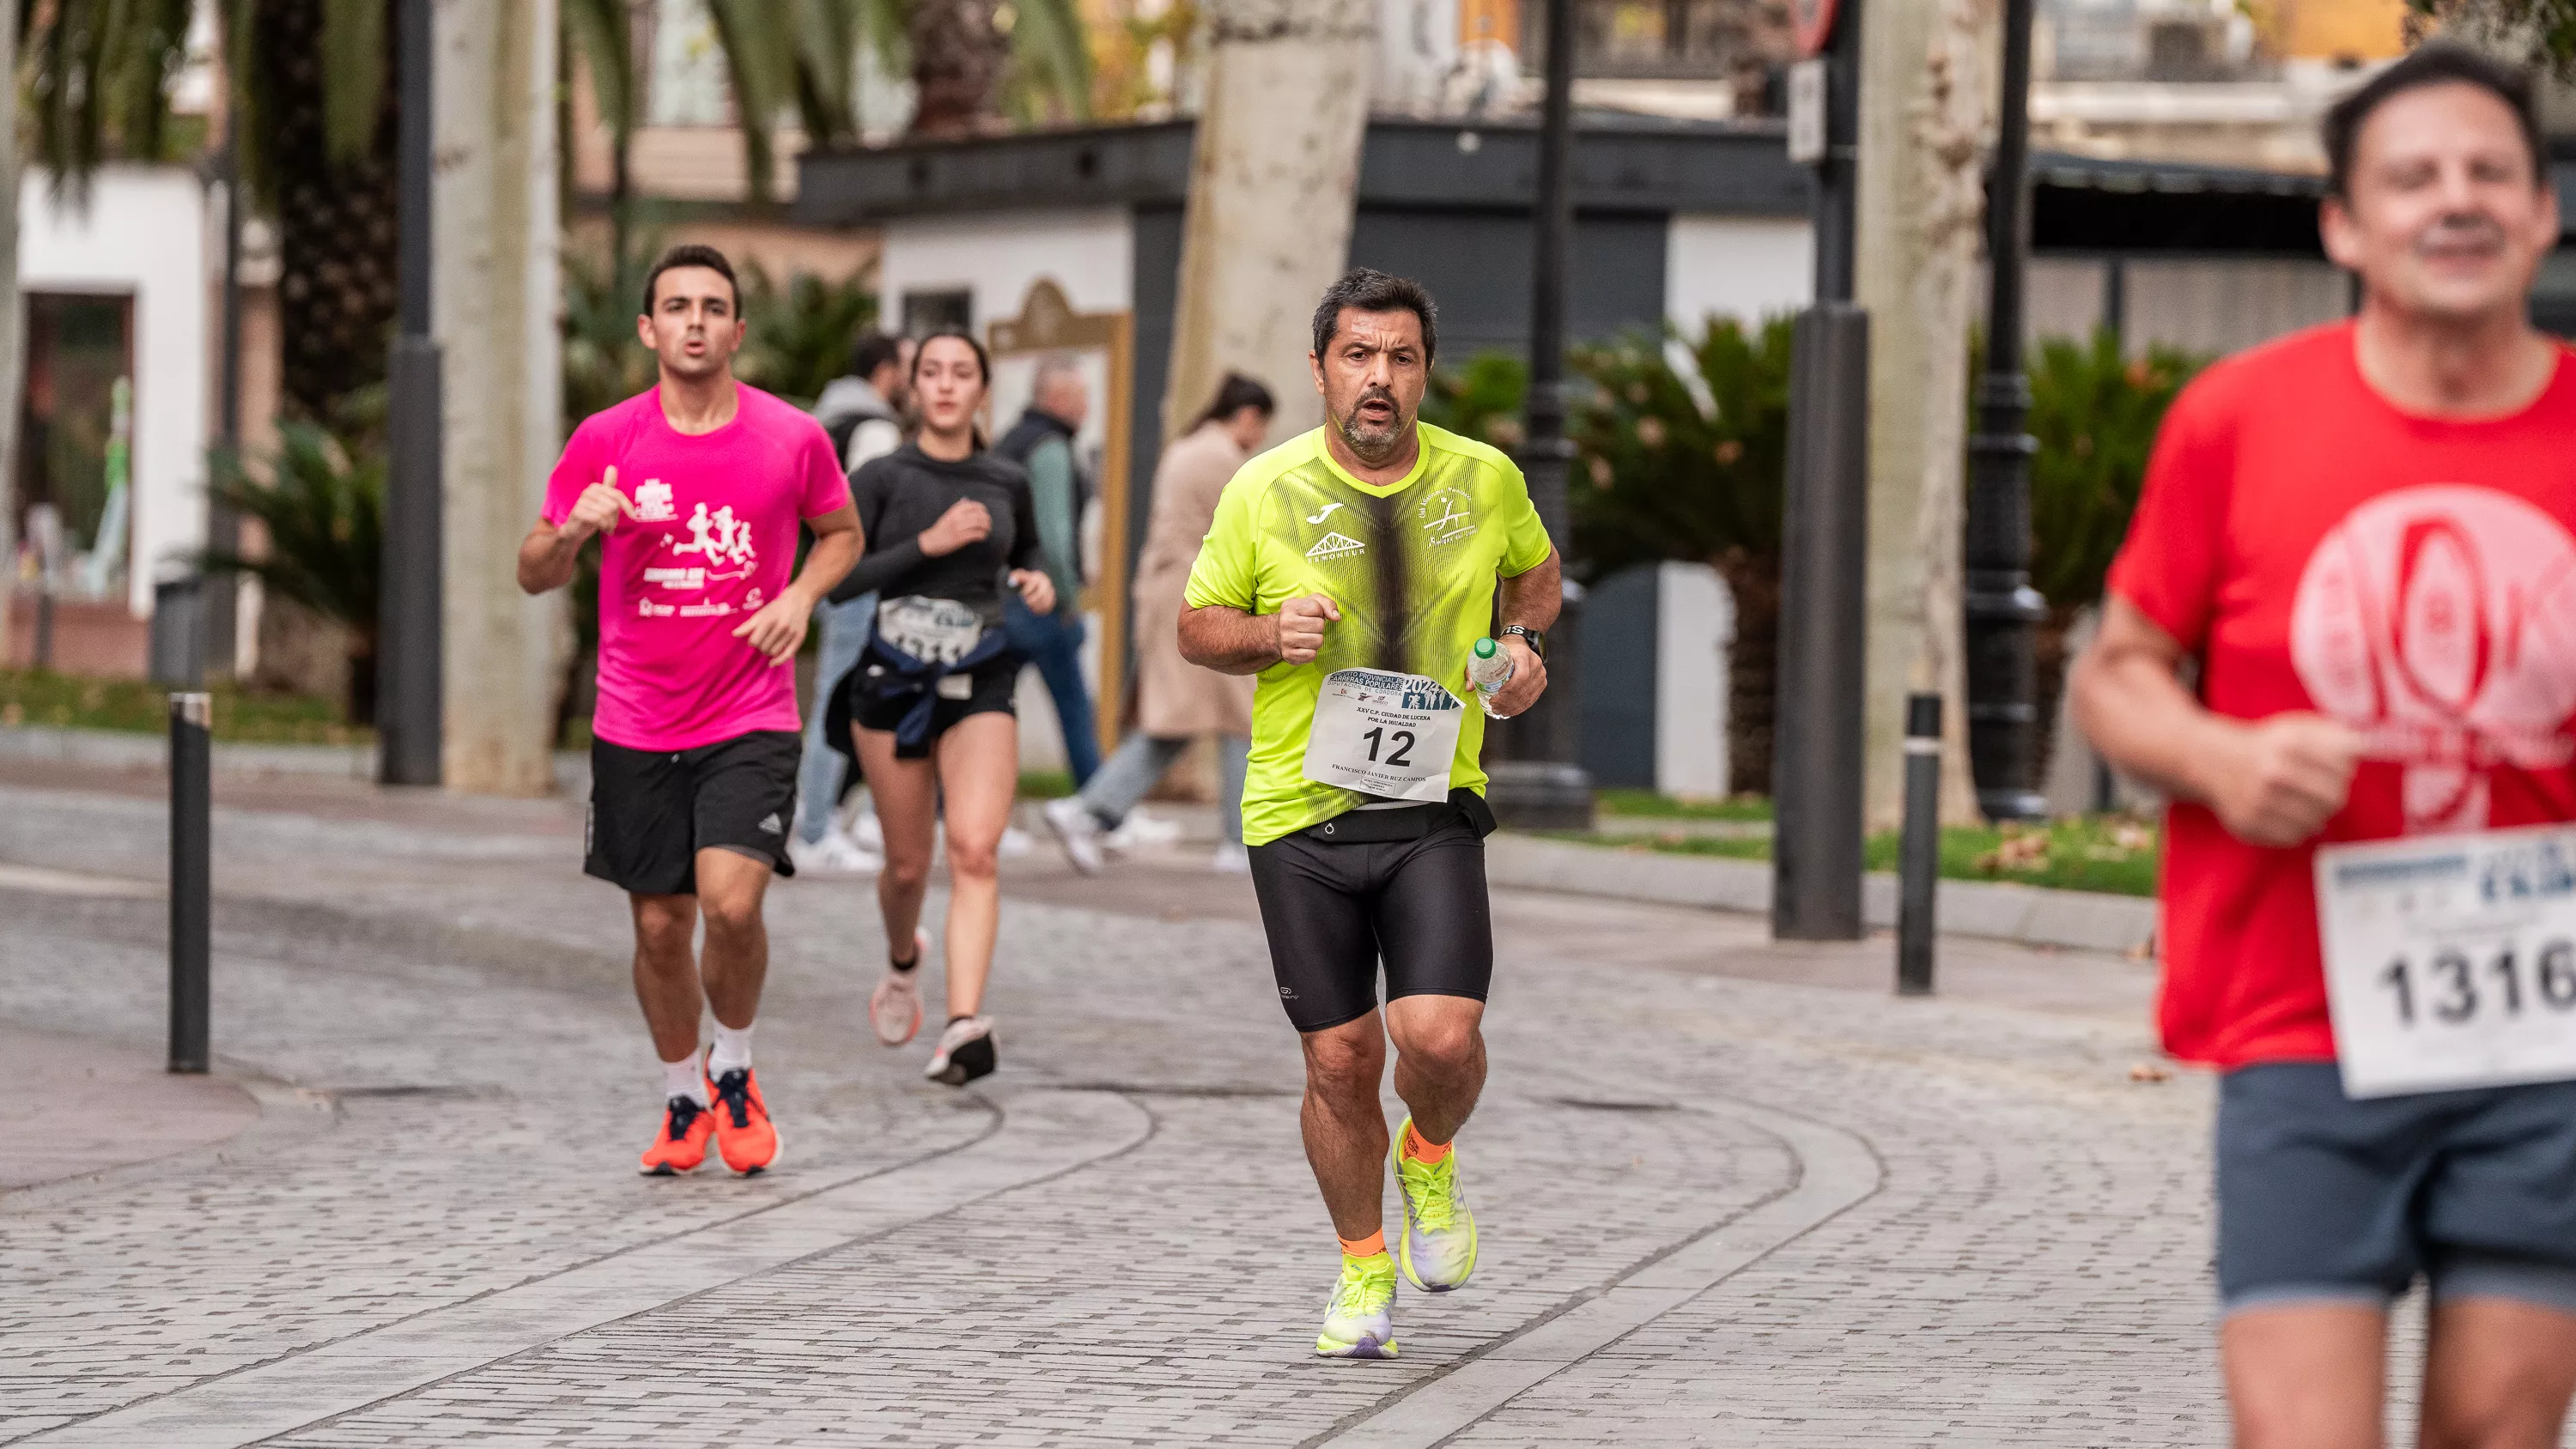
(905, 492)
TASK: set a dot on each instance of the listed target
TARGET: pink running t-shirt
(710, 538)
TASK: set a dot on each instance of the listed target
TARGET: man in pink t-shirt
(695, 490)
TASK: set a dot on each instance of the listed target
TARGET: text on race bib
(1386, 734)
(937, 631)
(2451, 959)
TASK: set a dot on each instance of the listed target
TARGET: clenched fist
(1301, 627)
(598, 508)
(2281, 779)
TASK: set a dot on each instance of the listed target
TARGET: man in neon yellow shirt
(1353, 569)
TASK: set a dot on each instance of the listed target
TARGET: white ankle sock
(732, 1051)
(682, 1079)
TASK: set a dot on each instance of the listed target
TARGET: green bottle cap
(1486, 648)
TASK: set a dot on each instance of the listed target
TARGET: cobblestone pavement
(1732, 1193)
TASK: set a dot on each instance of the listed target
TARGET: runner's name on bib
(1385, 734)
(2451, 959)
(936, 631)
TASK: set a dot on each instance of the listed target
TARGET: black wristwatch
(1536, 640)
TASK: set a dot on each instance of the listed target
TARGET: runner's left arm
(778, 630)
(1530, 599)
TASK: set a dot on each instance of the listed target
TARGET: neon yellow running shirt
(1412, 567)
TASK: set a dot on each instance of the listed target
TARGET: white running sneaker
(1231, 859)
(1015, 844)
(1140, 831)
(866, 831)
(965, 1052)
(894, 1008)
(835, 854)
(1078, 831)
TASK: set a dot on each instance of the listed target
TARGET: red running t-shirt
(2318, 549)
(711, 538)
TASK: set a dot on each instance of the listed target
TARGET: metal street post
(2003, 611)
(1537, 784)
(409, 683)
(190, 880)
(1918, 856)
(1816, 732)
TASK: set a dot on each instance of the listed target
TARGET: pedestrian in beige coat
(1177, 701)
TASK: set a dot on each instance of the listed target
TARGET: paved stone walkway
(1733, 1193)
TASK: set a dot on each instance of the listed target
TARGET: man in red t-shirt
(2364, 536)
(695, 490)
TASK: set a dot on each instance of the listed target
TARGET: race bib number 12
(1385, 734)
(2451, 959)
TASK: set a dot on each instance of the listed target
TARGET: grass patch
(1045, 784)
(1646, 804)
(2112, 853)
(42, 697)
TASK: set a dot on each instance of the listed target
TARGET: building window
(1660, 39)
(929, 311)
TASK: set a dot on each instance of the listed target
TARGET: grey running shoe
(894, 1008)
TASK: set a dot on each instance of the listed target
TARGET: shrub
(323, 512)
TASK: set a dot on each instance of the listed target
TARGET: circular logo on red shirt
(2440, 622)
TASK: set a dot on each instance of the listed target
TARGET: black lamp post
(409, 685)
(2003, 610)
(1537, 784)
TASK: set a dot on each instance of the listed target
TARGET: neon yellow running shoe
(1358, 1323)
(1439, 1248)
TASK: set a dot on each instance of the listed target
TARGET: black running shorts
(986, 689)
(1331, 911)
(652, 811)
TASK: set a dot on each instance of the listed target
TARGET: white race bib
(1386, 734)
(936, 631)
(2451, 959)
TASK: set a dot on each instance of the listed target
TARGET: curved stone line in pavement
(1041, 1135)
(1836, 1170)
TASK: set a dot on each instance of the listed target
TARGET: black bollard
(1918, 862)
(191, 715)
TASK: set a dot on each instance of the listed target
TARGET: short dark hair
(1235, 394)
(692, 254)
(2432, 64)
(1371, 290)
(873, 350)
(921, 349)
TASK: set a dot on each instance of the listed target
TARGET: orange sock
(1368, 1247)
(1422, 1151)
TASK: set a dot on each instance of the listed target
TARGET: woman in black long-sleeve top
(948, 527)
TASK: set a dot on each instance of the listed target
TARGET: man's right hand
(598, 508)
(965, 522)
(1301, 623)
(2281, 779)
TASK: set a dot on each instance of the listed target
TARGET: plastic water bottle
(1489, 668)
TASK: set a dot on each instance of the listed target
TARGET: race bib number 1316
(2451, 959)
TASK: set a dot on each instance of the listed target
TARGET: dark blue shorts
(2322, 1198)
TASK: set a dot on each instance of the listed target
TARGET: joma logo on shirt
(1336, 545)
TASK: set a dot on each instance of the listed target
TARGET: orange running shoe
(682, 1143)
(744, 1134)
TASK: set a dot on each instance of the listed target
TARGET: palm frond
(323, 512)
(1050, 60)
(604, 39)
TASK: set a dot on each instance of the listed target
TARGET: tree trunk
(336, 223)
(1279, 138)
(1926, 108)
(958, 57)
(493, 295)
(1752, 669)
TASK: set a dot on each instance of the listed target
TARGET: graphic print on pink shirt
(710, 538)
(2440, 622)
